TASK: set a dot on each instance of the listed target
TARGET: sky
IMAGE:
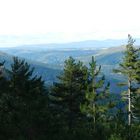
(54, 21)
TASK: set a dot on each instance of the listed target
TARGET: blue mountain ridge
(48, 59)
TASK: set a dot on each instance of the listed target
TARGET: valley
(48, 60)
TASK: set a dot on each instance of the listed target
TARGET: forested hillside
(79, 104)
(51, 58)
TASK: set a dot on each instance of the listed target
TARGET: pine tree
(68, 92)
(23, 106)
(136, 96)
(128, 68)
(97, 95)
(3, 78)
(4, 88)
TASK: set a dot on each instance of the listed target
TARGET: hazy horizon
(45, 21)
(52, 38)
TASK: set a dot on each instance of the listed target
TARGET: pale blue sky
(54, 21)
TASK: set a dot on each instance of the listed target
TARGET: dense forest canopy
(79, 105)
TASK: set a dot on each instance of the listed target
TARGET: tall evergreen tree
(128, 68)
(97, 94)
(23, 106)
(4, 88)
(68, 92)
(3, 78)
(136, 96)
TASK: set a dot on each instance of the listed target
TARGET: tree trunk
(129, 102)
(94, 104)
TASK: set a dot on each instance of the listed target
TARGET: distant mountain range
(48, 59)
(89, 44)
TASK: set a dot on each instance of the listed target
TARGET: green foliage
(129, 64)
(22, 106)
(78, 106)
(130, 69)
(68, 93)
(97, 94)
